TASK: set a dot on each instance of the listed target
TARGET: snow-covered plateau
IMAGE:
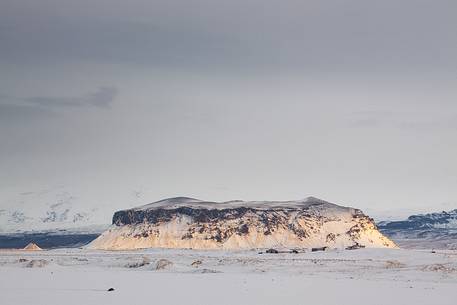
(183, 222)
(192, 277)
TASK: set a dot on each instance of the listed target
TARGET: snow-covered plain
(161, 276)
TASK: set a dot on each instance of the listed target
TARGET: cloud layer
(349, 100)
(357, 36)
(17, 108)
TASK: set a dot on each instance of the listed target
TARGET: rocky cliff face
(190, 223)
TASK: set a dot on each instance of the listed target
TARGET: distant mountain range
(48, 211)
(433, 230)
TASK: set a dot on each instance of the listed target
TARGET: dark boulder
(272, 251)
(319, 249)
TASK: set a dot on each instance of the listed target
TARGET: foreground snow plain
(160, 276)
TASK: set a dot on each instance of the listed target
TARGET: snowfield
(162, 276)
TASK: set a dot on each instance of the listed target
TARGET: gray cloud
(18, 113)
(13, 108)
(332, 36)
(102, 98)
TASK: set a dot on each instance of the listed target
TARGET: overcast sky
(352, 101)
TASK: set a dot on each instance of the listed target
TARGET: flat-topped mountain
(183, 222)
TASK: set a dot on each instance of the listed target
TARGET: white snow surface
(366, 276)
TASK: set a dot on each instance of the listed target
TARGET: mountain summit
(32, 247)
(183, 222)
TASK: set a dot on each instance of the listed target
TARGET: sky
(352, 101)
